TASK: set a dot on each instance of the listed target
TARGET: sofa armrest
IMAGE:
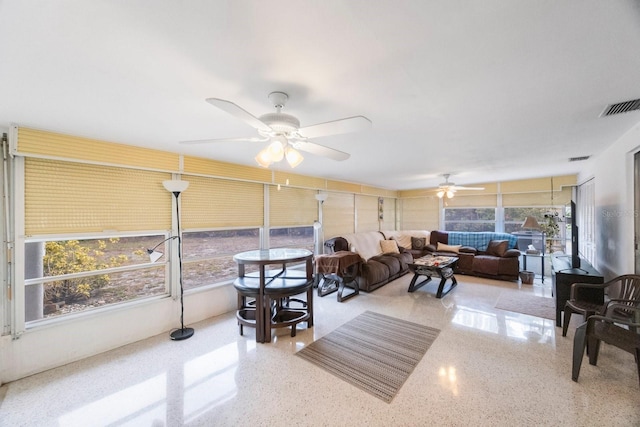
(468, 250)
(430, 248)
(511, 253)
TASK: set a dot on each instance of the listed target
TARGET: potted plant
(550, 228)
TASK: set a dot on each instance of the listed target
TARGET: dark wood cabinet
(563, 276)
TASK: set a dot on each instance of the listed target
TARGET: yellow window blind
(292, 206)
(420, 213)
(472, 201)
(217, 203)
(338, 214)
(537, 198)
(366, 213)
(66, 197)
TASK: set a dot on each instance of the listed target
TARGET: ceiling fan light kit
(285, 134)
(449, 188)
(276, 151)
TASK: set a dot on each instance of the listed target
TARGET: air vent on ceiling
(578, 159)
(621, 107)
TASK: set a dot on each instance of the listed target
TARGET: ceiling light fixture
(443, 192)
(278, 150)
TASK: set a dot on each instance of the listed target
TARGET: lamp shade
(155, 255)
(321, 197)
(175, 185)
(294, 158)
(530, 223)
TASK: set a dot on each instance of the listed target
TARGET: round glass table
(264, 277)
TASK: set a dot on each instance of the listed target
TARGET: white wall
(54, 345)
(614, 200)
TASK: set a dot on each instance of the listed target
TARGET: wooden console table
(563, 276)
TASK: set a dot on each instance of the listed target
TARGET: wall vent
(621, 107)
(578, 159)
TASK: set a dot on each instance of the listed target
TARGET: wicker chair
(627, 288)
(610, 330)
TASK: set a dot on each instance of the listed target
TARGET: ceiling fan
(448, 189)
(285, 133)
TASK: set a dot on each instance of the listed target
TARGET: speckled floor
(488, 367)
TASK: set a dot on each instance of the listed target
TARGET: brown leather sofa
(377, 268)
(493, 255)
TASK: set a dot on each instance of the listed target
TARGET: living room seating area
(386, 254)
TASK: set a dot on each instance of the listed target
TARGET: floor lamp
(176, 187)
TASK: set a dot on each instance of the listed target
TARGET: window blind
(537, 198)
(338, 214)
(218, 203)
(67, 197)
(420, 213)
(292, 206)
(367, 217)
(472, 201)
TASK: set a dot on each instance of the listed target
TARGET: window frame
(186, 260)
(446, 222)
(20, 308)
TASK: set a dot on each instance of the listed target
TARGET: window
(208, 255)
(514, 217)
(65, 276)
(586, 218)
(550, 220)
(291, 237)
(470, 219)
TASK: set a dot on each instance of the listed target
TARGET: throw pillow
(389, 247)
(448, 248)
(418, 243)
(497, 247)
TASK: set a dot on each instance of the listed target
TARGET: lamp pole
(176, 187)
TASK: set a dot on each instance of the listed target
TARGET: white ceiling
(485, 90)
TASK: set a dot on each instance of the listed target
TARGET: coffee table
(438, 266)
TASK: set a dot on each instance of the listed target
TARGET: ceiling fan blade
(457, 187)
(321, 150)
(238, 112)
(207, 141)
(336, 127)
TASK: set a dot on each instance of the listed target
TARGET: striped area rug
(374, 352)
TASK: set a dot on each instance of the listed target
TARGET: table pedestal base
(444, 274)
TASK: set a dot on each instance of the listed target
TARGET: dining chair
(622, 334)
(626, 289)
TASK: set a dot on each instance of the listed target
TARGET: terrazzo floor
(488, 367)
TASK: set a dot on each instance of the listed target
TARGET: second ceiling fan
(284, 132)
(449, 189)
